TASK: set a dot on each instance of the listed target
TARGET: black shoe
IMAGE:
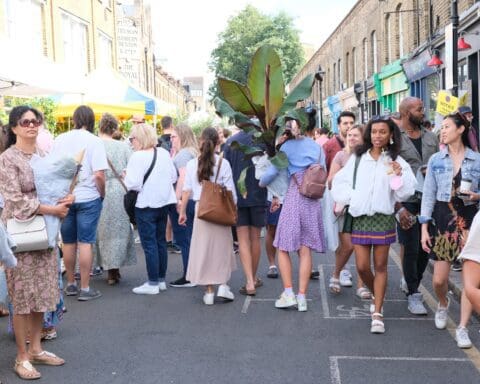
(315, 275)
(174, 248)
(457, 266)
(182, 283)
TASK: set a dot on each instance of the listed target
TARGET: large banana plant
(262, 106)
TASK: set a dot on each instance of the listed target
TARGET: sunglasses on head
(381, 117)
(26, 123)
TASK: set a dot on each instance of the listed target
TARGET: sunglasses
(25, 123)
(381, 117)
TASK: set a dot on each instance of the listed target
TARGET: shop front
(335, 107)
(424, 81)
(392, 86)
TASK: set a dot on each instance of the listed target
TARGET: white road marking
(323, 293)
(246, 304)
(335, 369)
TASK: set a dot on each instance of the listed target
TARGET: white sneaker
(302, 304)
(345, 278)
(208, 298)
(403, 285)
(286, 301)
(146, 289)
(162, 286)
(441, 316)
(461, 336)
(225, 292)
(415, 304)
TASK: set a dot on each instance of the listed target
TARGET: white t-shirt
(225, 178)
(158, 189)
(95, 159)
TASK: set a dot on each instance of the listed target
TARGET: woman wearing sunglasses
(449, 203)
(370, 184)
(33, 284)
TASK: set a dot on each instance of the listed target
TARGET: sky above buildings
(185, 31)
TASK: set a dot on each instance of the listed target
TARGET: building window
(347, 68)
(334, 77)
(25, 24)
(400, 30)
(105, 56)
(339, 69)
(354, 65)
(388, 35)
(365, 58)
(373, 38)
(75, 46)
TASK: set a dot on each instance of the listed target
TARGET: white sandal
(363, 293)
(334, 285)
(377, 324)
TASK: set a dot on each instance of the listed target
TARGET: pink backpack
(314, 182)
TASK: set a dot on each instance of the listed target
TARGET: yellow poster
(446, 103)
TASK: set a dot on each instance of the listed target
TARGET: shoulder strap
(117, 175)
(151, 165)
(357, 161)
(220, 158)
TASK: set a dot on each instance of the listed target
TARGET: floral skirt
(449, 229)
(373, 230)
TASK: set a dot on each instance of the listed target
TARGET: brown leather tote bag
(216, 204)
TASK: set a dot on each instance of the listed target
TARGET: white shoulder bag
(28, 235)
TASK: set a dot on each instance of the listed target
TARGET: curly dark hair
(206, 161)
(393, 148)
(108, 124)
(14, 117)
(459, 119)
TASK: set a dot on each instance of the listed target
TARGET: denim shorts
(81, 223)
(252, 216)
(272, 217)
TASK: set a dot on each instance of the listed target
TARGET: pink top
(45, 140)
(322, 140)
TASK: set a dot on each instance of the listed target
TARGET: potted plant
(262, 106)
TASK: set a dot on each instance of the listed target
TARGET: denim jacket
(439, 178)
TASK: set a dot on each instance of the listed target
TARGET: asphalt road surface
(173, 338)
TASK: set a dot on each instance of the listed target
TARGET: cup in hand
(465, 185)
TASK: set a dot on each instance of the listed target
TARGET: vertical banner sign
(449, 66)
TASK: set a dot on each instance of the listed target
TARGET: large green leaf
(237, 96)
(239, 119)
(246, 149)
(280, 160)
(302, 91)
(242, 187)
(267, 92)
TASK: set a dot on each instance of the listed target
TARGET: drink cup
(465, 186)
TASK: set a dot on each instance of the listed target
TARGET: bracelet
(400, 210)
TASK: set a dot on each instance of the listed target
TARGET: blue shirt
(256, 195)
(439, 179)
(301, 153)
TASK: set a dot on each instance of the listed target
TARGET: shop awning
(107, 91)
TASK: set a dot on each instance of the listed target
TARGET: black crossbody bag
(130, 198)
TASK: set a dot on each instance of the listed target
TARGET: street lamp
(319, 77)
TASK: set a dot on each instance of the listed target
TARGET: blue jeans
(81, 222)
(151, 225)
(183, 233)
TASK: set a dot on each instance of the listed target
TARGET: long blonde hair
(187, 138)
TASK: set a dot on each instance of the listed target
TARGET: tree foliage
(244, 34)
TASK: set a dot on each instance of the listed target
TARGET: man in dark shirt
(418, 145)
(252, 210)
(167, 130)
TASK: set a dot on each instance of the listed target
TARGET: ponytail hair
(206, 161)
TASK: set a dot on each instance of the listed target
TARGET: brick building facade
(366, 59)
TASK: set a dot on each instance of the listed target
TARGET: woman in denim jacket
(449, 203)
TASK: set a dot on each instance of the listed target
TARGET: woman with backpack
(300, 226)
